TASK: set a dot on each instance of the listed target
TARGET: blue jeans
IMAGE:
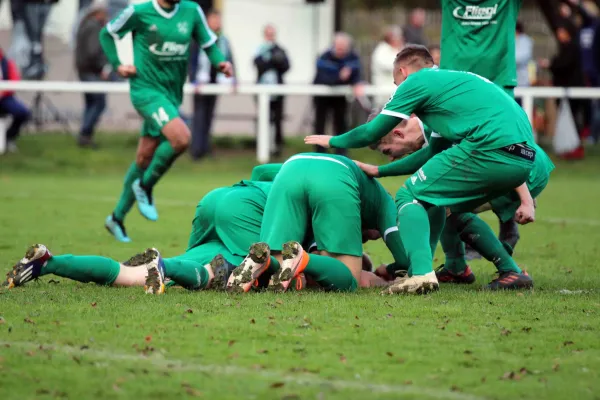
(95, 103)
(20, 114)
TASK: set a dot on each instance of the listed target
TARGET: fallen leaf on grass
(390, 354)
(356, 326)
(519, 294)
(483, 379)
(526, 329)
(29, 321)
(277, 385)
(263, 351)
(252, 321)
(511, 375)
(193, 392)
(231, 343)
(258, 367)
(54, 281)
(455, 388)
(279, 301)
(77, 359)
(233, 356)
(356, 317)
(505, 332)
(84, 347)
(524, 371)
(148, 338)
(407, 382)
(2, 321)
(556, 367)
(30, 353)
(459, 334)
(94, 304)
(468, 352)
(343, 358)
(568, 343)
(543, 380)
(42, 391)
(116, 388)
(189, 311)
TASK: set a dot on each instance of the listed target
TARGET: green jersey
(479, 36)
(161, 45)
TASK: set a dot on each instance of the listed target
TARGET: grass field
(60, 339)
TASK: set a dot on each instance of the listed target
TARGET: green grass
(64, 339)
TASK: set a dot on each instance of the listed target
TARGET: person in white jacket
(382, 61)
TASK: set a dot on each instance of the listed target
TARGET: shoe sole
(33, 253)
(281, 280)
(154, 281)
(254, 265)
(141, 258)
(217, 265)
(425, 288)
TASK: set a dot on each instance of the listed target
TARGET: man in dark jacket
(338, 66)
(92, 66)
(272, 63)
(10, 105)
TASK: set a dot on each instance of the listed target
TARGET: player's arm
(124, 23)
(265, 173)
(207, 40)
(526, 211)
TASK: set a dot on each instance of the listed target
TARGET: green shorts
(204, 253)
(315, 192)
(156, 110)
(239, 216)
(463, 179)
(203, 226)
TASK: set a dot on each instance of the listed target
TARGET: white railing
(264, 91)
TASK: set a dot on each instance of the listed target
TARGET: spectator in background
(413, 31)
(272, 63)
(382, 60)
(338, 66)
(10, 105)
(436, 53)
(523, 56)
(202, 72)
(92, 66)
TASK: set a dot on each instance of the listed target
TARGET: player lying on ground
(331, 194)
(492, 155)
(479, 236)
(227, 221)
(162, 32)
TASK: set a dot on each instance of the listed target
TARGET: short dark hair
(414, 55)
(213, 11)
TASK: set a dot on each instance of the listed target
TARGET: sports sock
(187, 273)
(163, 158)
(101, 270)
(437, 221)
(416, 236)
(454, 250)
(330, 274)
(481, 238)
(127, 197)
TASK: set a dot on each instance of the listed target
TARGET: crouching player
(331, 195)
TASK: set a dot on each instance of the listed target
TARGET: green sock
(330, 274)
(163, 158)
(187, 273)
(127, 197)
(454, 250)
(263, 280)
(416, 235)
(481, 238)
(437, 221)
(101, 270)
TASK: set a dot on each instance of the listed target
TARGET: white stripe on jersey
(325, 158)
(117, 24)
(213, 37)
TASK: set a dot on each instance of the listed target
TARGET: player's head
(270, 33)
(393, 36)
(213, 19)
(405, 138)
(411, 58)
(342, 44)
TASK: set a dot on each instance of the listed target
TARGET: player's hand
(226, 68)
(358, 90)
(319, 140)
(127, 71)
(525, 213)
(369, 169)
(345, 73)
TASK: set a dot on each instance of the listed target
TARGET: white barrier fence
(264, 91)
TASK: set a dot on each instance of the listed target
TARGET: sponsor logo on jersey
(421, 175)
(475, 15)
(182, 27)
(153, 28)
(169, 49)
(413, 179)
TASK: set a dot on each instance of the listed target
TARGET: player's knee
(180, 142)
(142, 160)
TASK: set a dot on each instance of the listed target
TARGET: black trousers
(337, 106)
(204, 111)
(276, 112)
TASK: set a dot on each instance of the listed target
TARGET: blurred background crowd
(557, 44)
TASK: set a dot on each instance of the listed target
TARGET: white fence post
(263, 139)
(528, 106)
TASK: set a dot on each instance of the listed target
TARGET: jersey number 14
(161, 117)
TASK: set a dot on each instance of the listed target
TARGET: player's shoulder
(144, 7)
(189, 6)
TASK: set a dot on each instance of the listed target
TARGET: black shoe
(86, 142)
(221, 269)
(445, 276)
(511, 281)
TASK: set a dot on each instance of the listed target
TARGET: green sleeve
(214, 54)
(122, 24)
(202, 33)
(366, 134)
(265, 173)
(407, 165)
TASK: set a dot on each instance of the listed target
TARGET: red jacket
(8, 72)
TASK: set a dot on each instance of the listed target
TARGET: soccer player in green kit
(162, 33)
(492, 155)
(331, 195)
(455, 269)
(479, 36)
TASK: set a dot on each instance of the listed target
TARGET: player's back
(161, 46)
(479, 36)
(464, 106)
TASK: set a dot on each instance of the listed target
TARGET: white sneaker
(416, 284)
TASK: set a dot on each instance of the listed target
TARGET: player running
(162, 32)
(492, 155)
(479, 236)
(479, 36)
(333, 196)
